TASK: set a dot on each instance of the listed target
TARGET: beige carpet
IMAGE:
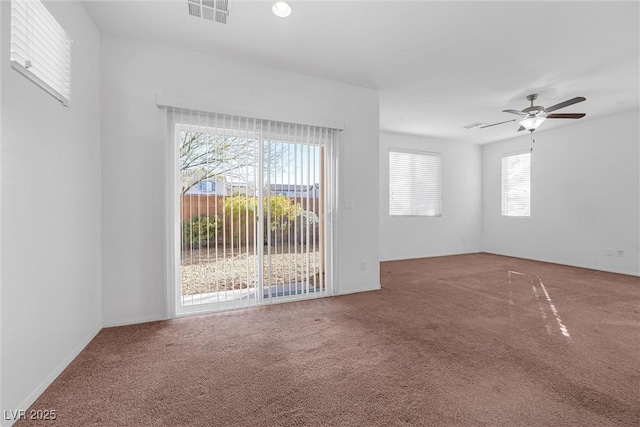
(447, 341)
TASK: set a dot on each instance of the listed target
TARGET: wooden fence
(238, 228)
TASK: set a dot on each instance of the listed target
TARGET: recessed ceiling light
(281, 9)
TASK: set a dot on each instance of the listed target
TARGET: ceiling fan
(534, 115)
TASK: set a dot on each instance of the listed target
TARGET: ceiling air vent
(211, 10)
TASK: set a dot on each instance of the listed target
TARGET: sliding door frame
(173, 225)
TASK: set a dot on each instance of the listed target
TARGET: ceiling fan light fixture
(281, 9)
(532, 123)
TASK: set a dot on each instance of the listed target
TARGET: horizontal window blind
(415, 183)
(40, 48)
(516, 185)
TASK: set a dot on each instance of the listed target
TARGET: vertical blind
(40, 48)
(516, 185)
(415, 183)
(254, 201)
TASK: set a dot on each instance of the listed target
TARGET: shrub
(307, 221)
(199, 230)
(239, 204)
(282, 211)
(238, 209)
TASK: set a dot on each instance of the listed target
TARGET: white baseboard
(550, 261)
(579, 265)
(135, 320)
(376, 287)
(53, 375)
(430, 256)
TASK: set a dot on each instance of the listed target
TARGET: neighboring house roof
(289, 187)
(213, 186)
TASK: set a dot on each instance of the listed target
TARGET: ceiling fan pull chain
(533, 141)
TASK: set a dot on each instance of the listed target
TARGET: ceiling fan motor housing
(533, 109)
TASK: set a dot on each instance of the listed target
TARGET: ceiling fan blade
(565, 104)
(495, 124)
(518, 112)
(521, 128)
(566, 116)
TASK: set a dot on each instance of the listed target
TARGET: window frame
(207, 186)
(503, 209)
(439, 184)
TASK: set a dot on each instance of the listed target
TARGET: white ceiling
(437, 65)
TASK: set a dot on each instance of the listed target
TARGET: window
(40, 48)
(516, 185)
(415, 182)
(207, 186)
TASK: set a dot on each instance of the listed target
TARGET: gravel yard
(202, 271)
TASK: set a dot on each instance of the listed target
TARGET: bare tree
(213, 156)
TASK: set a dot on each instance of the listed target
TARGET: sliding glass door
(254, 203)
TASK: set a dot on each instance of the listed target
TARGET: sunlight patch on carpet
(561, 326)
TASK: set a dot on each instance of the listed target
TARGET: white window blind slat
(516, 185)
(40, 39)
(40, 48)
(415, 184)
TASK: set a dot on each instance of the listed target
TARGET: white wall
(50, 225)
(134, 159)
(584, 196)
(458, 230)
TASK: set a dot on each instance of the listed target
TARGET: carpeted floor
(448, 341)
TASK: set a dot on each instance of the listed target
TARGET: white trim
(429, 256)
(333, 214)
(376, 287)
(135, 320)
(164, 101)
(172, 220)
(561, 263)
(548, 261)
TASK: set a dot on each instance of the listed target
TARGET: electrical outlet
(363, 265)
(621, 253)
(348, 205)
